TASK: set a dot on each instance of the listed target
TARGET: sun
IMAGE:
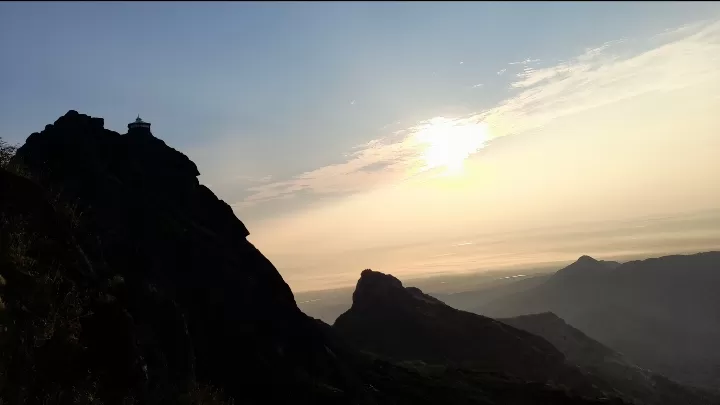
(447, 143)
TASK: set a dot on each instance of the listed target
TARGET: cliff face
(201, 301)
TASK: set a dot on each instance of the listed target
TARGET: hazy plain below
(487, 261)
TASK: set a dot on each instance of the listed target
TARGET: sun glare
(447, 143)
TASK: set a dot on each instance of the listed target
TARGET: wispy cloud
(682, 30)
(376, 162)
(594, 78)
(501, 71)
(477, 86)
(249, 180)
(525, 62)
(600, 76)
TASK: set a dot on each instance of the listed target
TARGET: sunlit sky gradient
(414, 138)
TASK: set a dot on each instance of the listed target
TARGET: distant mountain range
(474, 298)
(407, 325)
(662, 314)
(610, 368)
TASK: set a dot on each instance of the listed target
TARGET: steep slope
(183, 262)
(627, 379)
(405, 324)
(575, 345)
(663, 314)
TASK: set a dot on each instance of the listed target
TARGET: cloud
(683, 29)
(250, 179)
(525, 62)
(501, 71)
(476, 86)
(373, 167)
(601, 75)
(394, 158)
(376, 162)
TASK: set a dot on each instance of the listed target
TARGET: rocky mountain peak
(585, 266)
(586, 259)
(374, 285)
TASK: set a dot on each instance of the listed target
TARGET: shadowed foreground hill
(125, 281)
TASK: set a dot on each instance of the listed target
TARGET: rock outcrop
(406, 324)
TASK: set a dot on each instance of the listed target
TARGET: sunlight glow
(447, 143)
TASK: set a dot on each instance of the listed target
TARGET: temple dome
(139, 124)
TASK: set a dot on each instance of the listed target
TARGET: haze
(414, 139)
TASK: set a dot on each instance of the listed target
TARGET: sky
(352, 135)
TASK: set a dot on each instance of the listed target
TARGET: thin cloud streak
(525, 62)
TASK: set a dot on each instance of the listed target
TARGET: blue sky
(298, 111)
(283, 75)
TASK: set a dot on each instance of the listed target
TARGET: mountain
(407, 325)
(463, 292)
(165, 287)
(585, 268)
(404, 324)
(663, 314)
(627, 379)
(125, 281)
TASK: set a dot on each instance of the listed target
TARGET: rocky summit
(406, 324)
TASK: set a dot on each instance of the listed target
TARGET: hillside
(663, 314)
(626, 379)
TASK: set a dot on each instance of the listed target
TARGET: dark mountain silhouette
(405, 324)
(663, 314)
(171, 291)
(125, 281)
(585, 268)
(608, 366)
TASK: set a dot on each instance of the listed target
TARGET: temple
(138, 125)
